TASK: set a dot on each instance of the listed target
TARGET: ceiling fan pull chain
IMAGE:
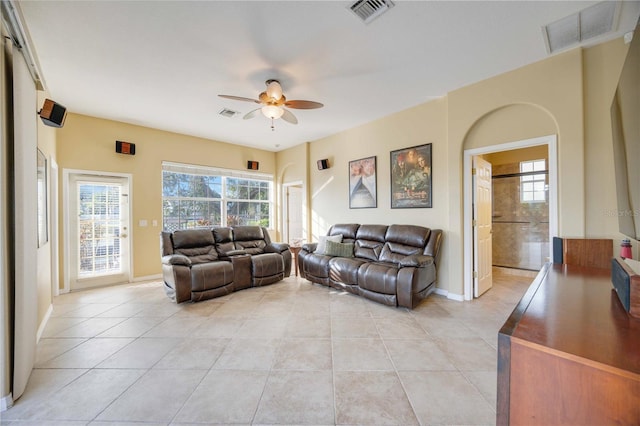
(272, 126)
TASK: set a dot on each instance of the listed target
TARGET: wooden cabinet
(569, 354)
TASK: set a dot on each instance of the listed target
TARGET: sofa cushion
(206, 276)
(368, 249)
(189, 238)
(369, 241)
(224, 240)
(345, 269)
(266, 265)
(322, 242)
(372, 233)
(223, 234)
(317, 265)
(378, 278)
(251, 239)
(347, 230)
(411, 235)
(394, 253)
(251, 247)
(339, 249)
(248, 233)
(197, 244)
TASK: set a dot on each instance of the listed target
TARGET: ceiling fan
(274, 103)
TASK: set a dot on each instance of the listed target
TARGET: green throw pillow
(339, 249)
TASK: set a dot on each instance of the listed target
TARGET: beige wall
(88, 143)
(566, 95)
(552, 96)
(329, 188)
(46, 144)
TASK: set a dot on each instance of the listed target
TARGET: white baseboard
(6, 402)
(147, 278)
(441, 292)
(452, 296)
(44, 322)
(456, 297)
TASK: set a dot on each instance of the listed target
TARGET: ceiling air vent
(368, 10)
(228, 113)
(593, 21)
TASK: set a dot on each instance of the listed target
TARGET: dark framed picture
(362, 183)
(411, 177)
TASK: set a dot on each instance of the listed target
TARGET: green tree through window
(204, 198)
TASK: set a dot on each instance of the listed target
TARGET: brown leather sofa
(394, 265)
(200, 264)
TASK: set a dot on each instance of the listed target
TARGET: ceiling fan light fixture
(274, 90)
(271, 111)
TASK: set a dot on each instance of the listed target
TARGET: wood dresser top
(575, 310)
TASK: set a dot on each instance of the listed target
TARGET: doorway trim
(66, 176)
(552, 142)
(53, 226)
(285, 208)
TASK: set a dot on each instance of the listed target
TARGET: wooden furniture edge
(504, 347)
(575, 358)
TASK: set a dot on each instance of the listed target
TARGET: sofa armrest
(417, 260)
(276, 247)
(310, 247)
(176, 259)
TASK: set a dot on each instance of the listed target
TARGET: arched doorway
(511, 124)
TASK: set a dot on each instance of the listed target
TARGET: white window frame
(531, 179)
(224, 174)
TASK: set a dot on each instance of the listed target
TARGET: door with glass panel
(98, 230)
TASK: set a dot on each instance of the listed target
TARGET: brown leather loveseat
(200, 264)
(394, 265)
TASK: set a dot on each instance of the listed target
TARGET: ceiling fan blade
(250, 114)
(289, 117)
(303, 104)
(239, 98)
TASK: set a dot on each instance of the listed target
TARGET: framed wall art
(362, 183)
(411, 177)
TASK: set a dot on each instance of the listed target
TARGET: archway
(510, 127)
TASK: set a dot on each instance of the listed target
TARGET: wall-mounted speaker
(252, 165)
(53, 114)
(125, 148)
(323, 164)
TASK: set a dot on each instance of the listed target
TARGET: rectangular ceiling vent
(572, 30)
(229, 113)
(368, 10)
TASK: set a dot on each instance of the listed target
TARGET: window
(533, 186)
(196, 196)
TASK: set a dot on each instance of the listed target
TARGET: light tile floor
(288, 353)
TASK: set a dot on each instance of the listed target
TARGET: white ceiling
(162, 64)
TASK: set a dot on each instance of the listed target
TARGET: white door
(293, 215)
(98, 230)
(482, 255)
